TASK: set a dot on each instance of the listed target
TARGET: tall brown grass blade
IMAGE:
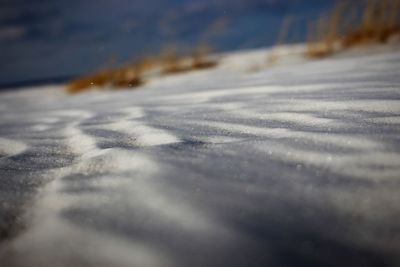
(377, 22)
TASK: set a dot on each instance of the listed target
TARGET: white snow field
(296, 164)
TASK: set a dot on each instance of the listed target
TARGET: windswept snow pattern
(290, 166)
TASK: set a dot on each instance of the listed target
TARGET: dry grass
(200, 60)
(348, 25)
(132, 75)
(99, 79)
(273, 56)
(119, 78)
(172, 63)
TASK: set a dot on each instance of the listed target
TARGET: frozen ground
(293, 165)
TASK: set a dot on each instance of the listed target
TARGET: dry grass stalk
(131, 75)
(172, 63)
(377, 23)
(273, 55)
(118, 78)
(199, 58)
(99, 79)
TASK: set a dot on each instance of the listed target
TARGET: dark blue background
(47, 39)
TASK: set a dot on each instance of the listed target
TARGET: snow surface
(292, 165)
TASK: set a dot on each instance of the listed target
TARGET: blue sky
(43, 39)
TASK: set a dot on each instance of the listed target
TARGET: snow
(11, 147)
(292, 164)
